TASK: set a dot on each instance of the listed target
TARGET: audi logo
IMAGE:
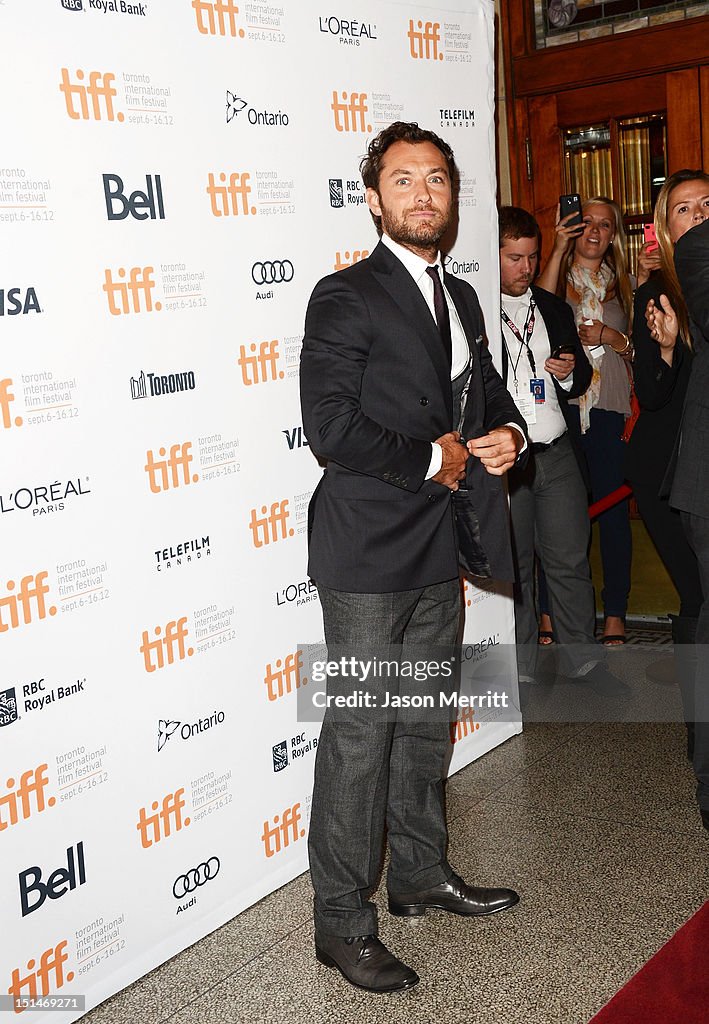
(195, 878)
(276, 272)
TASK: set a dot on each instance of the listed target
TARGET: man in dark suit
(544, 365)
(390, 348)
(689, 470)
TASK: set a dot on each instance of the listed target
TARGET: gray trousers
(549, 513)
(370, 772)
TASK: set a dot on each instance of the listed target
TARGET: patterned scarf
(591, 287)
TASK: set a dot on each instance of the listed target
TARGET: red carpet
(673, 987)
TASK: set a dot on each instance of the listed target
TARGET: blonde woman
(588, 268)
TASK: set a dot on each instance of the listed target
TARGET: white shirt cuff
(436, 460)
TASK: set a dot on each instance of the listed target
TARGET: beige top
(615, 383)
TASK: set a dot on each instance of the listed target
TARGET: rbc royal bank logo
(424, 40)
(8, 706)
(218, 18)
(95, 100)
(349, 111)
(280, 756)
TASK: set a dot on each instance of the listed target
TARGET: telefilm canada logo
(239, 110)
(158, 385)
(457, 117)
(182, 553)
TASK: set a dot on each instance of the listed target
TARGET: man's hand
(497, 450)
(455, 455)
(562, 367)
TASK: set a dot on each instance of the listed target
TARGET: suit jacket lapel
(398, 282)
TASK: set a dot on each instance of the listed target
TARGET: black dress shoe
(456, 896)
(365, 962)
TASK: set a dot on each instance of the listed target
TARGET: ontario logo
(188, 730)
(236, 105)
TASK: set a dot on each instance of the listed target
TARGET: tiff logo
(284, 679)
(162, 822)
(424, 40)
(464, 725)
(32, 784)
(223, 198)
(265, 528)
(259, 367)
(350, 113)
(100, 88)
(164, 647)
(6, 400)
(283, 832)
(157, 469)
(38, 982)
(345, 260)
(139, 281)
(32, 589)
(221, 18)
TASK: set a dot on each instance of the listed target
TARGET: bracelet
(600, 336)
(622, 351)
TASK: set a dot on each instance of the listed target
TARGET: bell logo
(284, 679)
(159, 825)
(464, 725)
(33, 891)
(220, 18)
(38, 981)
(100, 88)
(32, 783)
(16, 305)
(424, 40)
(265, 528)
(164, 647)
(140, 205)
(157, 469)
(260, 366)
(138, 281)
(223, 198)
(32, 589)
(6, 400)
(349, 113)
(284, 830)
(345, 260)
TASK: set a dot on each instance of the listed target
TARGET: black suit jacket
(375, 391)
(561, 328)
(689, 469)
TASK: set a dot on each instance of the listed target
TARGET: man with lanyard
(543, 366)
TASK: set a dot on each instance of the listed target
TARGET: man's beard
(423, 234)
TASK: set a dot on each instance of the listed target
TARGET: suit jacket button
(431, 497)
(423, 401)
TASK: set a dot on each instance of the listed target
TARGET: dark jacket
(375, 391)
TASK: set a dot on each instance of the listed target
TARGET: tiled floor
(595, 825)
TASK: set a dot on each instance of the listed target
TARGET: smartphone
(650, 236)
(562, 350)
(571, 204)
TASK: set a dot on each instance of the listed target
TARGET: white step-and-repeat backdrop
(175, 175)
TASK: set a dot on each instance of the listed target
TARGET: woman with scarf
(588, 268)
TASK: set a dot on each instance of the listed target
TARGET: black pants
(369, 772)
(697, 531)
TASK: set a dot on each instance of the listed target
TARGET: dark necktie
(442, 316)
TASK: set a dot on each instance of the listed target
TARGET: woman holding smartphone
(588, 268)
(661, 366)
